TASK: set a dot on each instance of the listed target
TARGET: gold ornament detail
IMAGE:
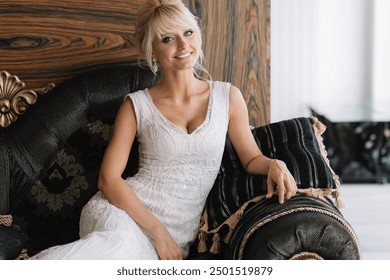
(68, 170)
(15, 99)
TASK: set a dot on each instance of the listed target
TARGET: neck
(178, 83)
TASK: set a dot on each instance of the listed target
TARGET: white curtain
(381, 61)
(332, 55)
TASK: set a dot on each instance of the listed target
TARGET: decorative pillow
(298, 143)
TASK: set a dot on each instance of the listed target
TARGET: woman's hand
(167, 248)
(281, 181)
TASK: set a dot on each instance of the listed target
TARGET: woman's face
(178, 49)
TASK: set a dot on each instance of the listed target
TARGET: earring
(155, 68)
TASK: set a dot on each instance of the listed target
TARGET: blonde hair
(155, 17)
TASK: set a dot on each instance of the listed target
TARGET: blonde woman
(181, 125)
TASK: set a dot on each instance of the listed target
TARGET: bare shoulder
(234, 90)
(126, 106)
(236, 101)
(126, 113)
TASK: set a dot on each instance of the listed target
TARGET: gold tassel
(317, 124)
(23, 255)
(339, 200)
(202, 246)
(216, 247)
(228, 236)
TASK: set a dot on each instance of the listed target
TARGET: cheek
(195, 41)
(159, 47)
(197, 45)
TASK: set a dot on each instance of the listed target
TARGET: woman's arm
(118, 192)
(253, 161)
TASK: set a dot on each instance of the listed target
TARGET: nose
(182, 43)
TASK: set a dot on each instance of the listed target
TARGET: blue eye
(167, 39)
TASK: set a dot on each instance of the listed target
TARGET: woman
(181, 125)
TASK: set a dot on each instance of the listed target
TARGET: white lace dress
(176, 173)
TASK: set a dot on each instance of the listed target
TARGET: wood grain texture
(44, 40)
(48, 41)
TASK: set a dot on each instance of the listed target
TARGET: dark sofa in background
(50, 159)
(358, 151)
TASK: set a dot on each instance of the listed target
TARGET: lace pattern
(177, 170)
(176, 173)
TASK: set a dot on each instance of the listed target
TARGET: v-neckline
(176, 127)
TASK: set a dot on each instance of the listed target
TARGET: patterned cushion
(298, 143)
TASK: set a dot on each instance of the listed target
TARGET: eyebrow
(166, 34)
(172, 34)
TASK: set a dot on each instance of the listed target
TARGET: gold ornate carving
(15, 99)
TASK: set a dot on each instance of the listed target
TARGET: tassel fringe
(319, 129)
(322, 193)
(228, 236)
(202, 246)
(231, 222)
(216, 246)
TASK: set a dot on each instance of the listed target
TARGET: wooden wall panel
(236, 45)
(45, 41)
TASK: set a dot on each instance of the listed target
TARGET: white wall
(294, 29)
(329, 54)
(381, 61)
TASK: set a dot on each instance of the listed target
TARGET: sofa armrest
(304, 227)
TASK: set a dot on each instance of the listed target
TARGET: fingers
(288, 189)
(281, 192)
(280, 181)
(279, 188)
(173, 255)
(293, 188)
(270, 188)
(167, 248)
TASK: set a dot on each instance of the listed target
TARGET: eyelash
(169, 39)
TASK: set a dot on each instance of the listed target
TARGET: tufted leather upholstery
(29, 145)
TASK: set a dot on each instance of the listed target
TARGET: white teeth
(184, 55)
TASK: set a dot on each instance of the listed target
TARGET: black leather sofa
(50, 159)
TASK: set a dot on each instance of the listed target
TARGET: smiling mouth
(183, 55)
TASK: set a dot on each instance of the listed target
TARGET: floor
(367, 209)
